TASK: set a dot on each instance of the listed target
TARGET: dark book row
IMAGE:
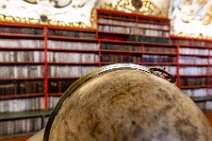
(19, 126)
(69, 33)
(161, 59)
(20, 105)
(205, 106)
(117, 16)
(115, 22)
(122, 47)
(147, 39)
(153, 20)
(191, 81)
(21, 30)
(191, 42)
(12, 87)
(120, 59)
(59, 86)
(160, 49)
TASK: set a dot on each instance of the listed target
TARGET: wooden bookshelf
(60, 55)
(33, 120)
(194, 60)
(132, 27)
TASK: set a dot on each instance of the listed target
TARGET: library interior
(51, 49)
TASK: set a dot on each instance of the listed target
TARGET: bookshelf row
(197, 81)
(140, 28)
(19, 126)
(21, 56)
(74, 58)
(132, 31)
(197, 92)
(30, 122)
(27, 104)
(94, 46)
(15, 120)
(57, 87)
(190, 78)
(21, 104)
(31, 44)
(31, 72)
(33, 88)
(22, 122)
(183, 41)
(132, 27)
(14, 87)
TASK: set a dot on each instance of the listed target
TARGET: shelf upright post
(208, 73)
(99, 52)
(170, 33)
(136, 28)
(142, 53)
(97, 37)
(178, 65)
(46, 67)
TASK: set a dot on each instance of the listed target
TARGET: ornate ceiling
(190, 18)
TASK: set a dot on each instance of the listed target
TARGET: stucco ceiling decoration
(73, 13)
(146, 7)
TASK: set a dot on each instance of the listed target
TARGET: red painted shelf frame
(192, 46)
(45, 38)
(136, 18)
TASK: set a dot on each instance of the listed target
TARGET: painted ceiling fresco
(190, 18)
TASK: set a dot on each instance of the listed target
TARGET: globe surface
(128, 105)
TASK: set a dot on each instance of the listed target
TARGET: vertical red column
(142, 54)
(99, 51)
(97, 38)
(209, 70)
(136, 29)
(208, 74)
(46, 68)
(178, 66)
(169, 24)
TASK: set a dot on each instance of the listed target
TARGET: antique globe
(125, 102)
